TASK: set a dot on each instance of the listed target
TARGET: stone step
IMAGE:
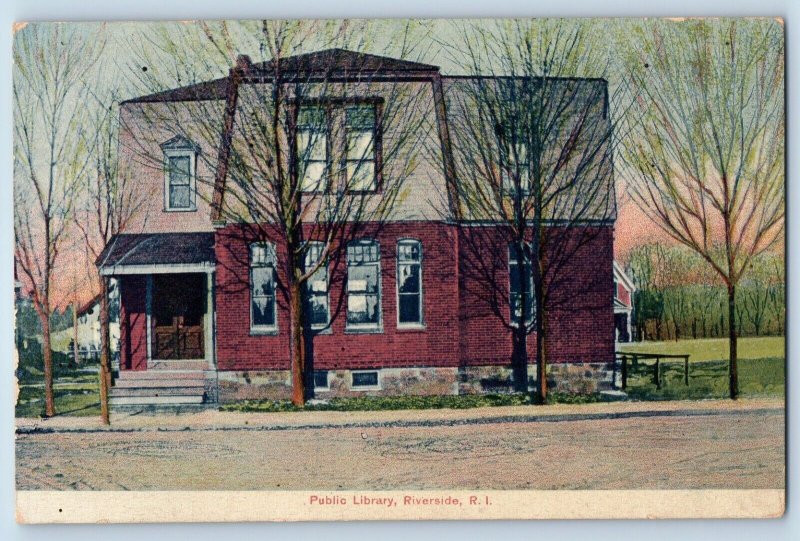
(193, 364)
(160, 374)
(158, 391)
(158, 382)
(155, 400)
(159, 409)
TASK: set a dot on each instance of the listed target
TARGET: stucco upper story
(211, 131)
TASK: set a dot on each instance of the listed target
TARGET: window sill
(364, 330)
(366, 389)
(263, 332)
(181, 210)
(411, 327)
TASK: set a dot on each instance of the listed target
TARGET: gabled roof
(328, 63)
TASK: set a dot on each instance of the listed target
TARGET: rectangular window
(515, 289)
(516, 169)
(312, 148)
(180, 180)
(363, 285)
(360, 160)
(321, 379)
(409, 283)
(367, 379)
(317, 286)
(262, 280)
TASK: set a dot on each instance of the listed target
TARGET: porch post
(209, 321)
(628, 319)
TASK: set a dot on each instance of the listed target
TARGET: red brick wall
(133, 323)
(579, 302)
(465, 305)
(436, 345)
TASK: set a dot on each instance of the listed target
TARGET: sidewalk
(213, 420)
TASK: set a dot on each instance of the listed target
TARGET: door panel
(179, 304)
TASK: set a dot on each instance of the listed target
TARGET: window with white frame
(517, 262)
(515, 166)
(262, 280)
(317, 286)
(180, 163)
(363, 285)
(409, 283)
(360, 156)
(312, 148)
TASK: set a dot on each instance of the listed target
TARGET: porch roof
(140, 251)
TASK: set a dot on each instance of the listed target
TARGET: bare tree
(108, 206)
(50, 62)
(302, 162)
(532, 147)
(705, 157)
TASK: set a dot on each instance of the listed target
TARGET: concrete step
(158, 391)
(194, 364)
(155, 400)
(160, 382)
(159, 409)
(160, 374)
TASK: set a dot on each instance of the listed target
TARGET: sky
(130, 48)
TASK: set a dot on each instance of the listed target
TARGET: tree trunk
(732, 338)
(519, 363)
(541, 332)
(297, 346)
(105, 369)
(47, 353)
(76, 350)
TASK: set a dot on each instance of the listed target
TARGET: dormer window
(180, 184)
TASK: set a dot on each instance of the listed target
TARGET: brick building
(397, 308)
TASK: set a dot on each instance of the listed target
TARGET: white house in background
(623, 304)
(89, 330)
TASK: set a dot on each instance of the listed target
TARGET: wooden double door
(179, 307)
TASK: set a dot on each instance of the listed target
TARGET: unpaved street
(735, 449)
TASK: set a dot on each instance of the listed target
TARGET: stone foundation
(572, 378)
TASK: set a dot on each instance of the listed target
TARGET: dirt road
(727, 449)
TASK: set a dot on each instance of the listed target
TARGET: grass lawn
(714, 349)
(79, 396)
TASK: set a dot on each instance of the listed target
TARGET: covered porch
(166, 286)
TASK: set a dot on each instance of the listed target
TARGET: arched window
(409, 283)
(363, 285)
(262, 287)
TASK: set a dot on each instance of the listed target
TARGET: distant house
(89, 330)
(623, 305)
(397, 314)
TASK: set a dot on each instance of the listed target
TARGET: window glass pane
(263, 281)
(361, 176)
(179, 170)
(313, 177)
(311, 145)
(361, 116)
(362, 279)
(365, 379)
(264, 311)
(311, 117)
(180, 197)
(409, 309)
(321, 379)
(359, 146)
(408, 278)
(318, 309)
